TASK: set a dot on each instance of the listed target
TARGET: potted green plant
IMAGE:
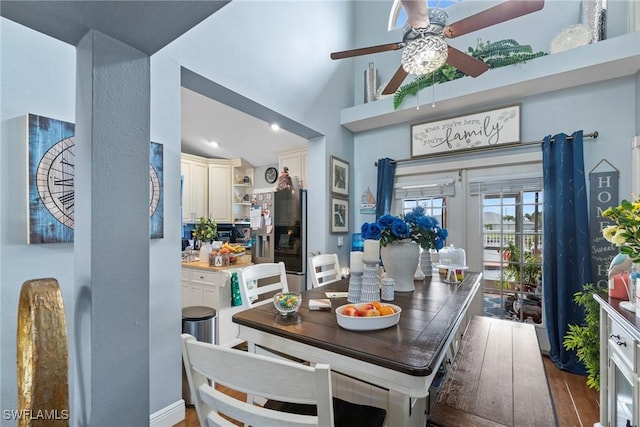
(585, 338)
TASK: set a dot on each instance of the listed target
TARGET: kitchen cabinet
(212, 288)
(194, 188)
(296, 161)
(242, 176)
(619, 365)
(220, 191)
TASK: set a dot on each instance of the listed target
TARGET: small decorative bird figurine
(621, 263)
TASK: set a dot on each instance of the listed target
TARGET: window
(433, 206)
(512, 253)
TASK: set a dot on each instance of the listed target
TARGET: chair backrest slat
(260, 281)
(325, 269)
(258, 375)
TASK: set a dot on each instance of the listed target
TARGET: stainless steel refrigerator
(282, 234)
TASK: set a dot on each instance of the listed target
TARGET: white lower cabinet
(212, 289)
(619, 366)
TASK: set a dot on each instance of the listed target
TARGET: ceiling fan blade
(417, 15)
(395, 81)
(505, 11)
(367, 50)
(465, 63)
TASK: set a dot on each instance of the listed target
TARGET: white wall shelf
(605, 60)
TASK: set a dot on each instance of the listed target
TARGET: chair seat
(345, 414)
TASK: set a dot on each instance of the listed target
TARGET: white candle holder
(370, 290)
(355, 285)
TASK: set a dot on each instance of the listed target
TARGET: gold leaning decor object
(42, 356)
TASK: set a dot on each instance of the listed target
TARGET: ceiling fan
(425, 48)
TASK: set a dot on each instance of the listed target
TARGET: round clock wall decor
(270, 175)
(54, 180)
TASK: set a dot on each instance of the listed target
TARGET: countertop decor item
(287, 303)
(205, 230)
(367, 323)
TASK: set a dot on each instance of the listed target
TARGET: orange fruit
(386, 310)
(377, 304)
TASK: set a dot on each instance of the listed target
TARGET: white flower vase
(205, 250)
(400, 260)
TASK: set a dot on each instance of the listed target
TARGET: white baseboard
(169, 415)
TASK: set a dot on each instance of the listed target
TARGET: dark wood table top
(412, 346)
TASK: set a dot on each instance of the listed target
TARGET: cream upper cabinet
(220, 191)
(296, 161)
(194, 188)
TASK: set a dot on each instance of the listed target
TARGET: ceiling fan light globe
(424, 55)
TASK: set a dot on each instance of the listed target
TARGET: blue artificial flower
(371, 231)
(422, 229)
(400, 228)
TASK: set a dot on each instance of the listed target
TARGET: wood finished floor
(576, 405)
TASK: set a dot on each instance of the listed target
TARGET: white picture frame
(339, 176)
(339, 215)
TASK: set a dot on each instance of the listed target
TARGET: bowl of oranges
(368, 316)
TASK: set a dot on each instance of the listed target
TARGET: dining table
(403, 360)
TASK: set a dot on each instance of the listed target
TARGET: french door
(492, 210)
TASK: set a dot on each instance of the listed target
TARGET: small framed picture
(339, 215)
(339, 176)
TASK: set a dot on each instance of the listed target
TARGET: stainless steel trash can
(199, 321)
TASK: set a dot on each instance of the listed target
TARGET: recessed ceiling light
(214, 144)
(275, 126)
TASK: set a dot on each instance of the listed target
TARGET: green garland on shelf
(497, 54)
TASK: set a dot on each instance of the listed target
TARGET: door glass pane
(624, 400)
(512, 254)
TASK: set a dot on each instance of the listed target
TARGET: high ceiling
(237, 133)
(149, 26)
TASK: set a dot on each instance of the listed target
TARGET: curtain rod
(593, 135)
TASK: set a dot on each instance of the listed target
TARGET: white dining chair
(259, 282)
(297, 395)
(325, 269)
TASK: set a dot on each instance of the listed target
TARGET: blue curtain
(567, 261)
(384, 195)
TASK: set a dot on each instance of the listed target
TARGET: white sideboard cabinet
(619, 365)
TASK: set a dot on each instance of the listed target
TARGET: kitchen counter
(243, 261)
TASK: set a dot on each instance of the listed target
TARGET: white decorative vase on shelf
(400, 261)
(426, 265)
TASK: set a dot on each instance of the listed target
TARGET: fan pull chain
(418, 100)
(433, 102)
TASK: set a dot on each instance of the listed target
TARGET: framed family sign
(464, 133)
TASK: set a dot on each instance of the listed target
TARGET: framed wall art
(51, 169)
(51, 187)
(339, 215)
(339, 176)
(156, 193)
(465, 133)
